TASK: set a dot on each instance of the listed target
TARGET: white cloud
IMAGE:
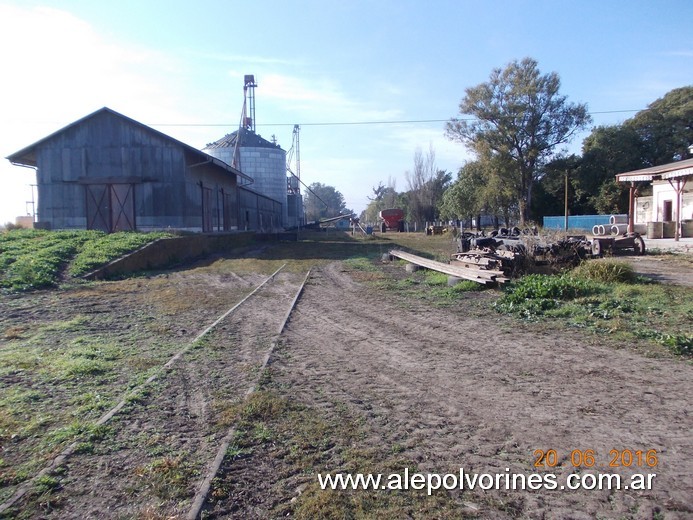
(60, 69)
(678, 54)
(319, 100)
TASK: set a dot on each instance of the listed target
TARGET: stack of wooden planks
(477, 272)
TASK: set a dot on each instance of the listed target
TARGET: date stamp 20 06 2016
(625, 458)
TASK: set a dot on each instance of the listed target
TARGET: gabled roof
(665, 171)
(27, 156)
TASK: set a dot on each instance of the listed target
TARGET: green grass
(168, 477)
(35, 259)
(606, 297)
(360, 263)
(430, 287)
(32, 259)
(61, 376)
(603, 296)
(106, 248)
(296, 439)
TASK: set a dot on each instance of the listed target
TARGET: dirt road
(449, 390)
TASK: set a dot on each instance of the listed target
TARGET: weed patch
(360, 264)
(105, 248)
(606, 298)
(167, 477)
(303, 441)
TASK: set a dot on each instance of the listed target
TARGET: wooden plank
(475, 260)
(475, 267)
(475, 275)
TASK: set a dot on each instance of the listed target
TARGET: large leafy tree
(608, 150)
(549, 193)
(518, 117)
(323, 201)
(383, 197)
(463, 200)
(665, 128)
(657, 135)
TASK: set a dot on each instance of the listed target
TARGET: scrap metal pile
(512, 252)
(509, 253)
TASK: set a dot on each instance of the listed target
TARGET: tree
(549, 193)
(608, 150)
(424, 169)
(478, 189)
(665, 128)
(657, 135)
(520, 118)
(463, 199)
(378, 192)
(323, 201)
(383, 197)
(426, 187)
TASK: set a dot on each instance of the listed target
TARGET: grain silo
(258, 158)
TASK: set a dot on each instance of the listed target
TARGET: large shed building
(109, 172)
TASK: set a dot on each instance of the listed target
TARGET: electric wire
(355, 123)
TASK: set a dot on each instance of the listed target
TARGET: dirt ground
(364, 380)
(455, 390)
(676, 269)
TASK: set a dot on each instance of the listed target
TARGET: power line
(353, 123)
(322, 123)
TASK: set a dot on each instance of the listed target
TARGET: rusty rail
(62, 457)
(206, 484)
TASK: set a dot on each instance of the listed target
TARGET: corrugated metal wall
(257, 212)
(583, 222)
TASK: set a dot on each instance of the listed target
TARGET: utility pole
(566, 201)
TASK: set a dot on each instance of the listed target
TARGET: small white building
(668, 213)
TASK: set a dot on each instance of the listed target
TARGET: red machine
(392, 219)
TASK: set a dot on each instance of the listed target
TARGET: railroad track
(243, 309)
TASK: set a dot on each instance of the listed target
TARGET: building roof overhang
(667, 171)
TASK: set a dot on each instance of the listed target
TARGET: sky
(368, 81)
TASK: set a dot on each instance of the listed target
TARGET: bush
(605, 271)
(10, 226)
(681, 344)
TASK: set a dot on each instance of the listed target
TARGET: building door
(122, 207)
(111, 207)
(667, 215)
(230, 209)
(98, 207)
(206, 210)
